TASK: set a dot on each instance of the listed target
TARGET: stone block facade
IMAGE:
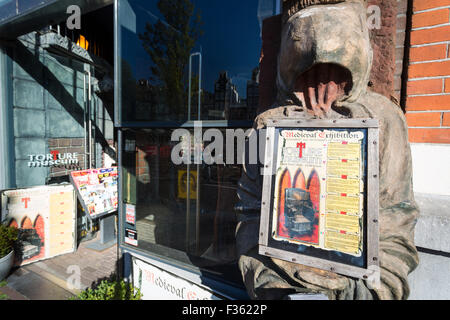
(48, 111)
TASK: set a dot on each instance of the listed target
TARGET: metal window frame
(372, 271)
(7, 170)
(187, 271)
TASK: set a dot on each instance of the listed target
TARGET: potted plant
(8, 235)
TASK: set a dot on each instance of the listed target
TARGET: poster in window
(183, 184)
(318, 189)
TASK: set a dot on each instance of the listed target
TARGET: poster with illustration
(46, 219)
(319, 189)
(97, 190)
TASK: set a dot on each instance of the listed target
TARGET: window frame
(184, 269)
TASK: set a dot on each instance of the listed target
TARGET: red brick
(430, 69)
(430, 18)
(400, 39)
(401, 22)
(429, 119)
(430, 35)
(65, 142)
(446, 119)
(439, 102)
(52, 143)
(76, 142)
(402, 6)
(429, 135)
(420, 5)
(425, 86)
(428, 53)
(447, 85)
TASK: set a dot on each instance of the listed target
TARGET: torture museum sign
(53, 159)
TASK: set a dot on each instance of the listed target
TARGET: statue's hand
(313, 278)
(320, 87)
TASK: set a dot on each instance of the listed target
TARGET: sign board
(157, 284)
(130, 213)
(131, 237)
(46, 219)
(320, 195)
(97, 190)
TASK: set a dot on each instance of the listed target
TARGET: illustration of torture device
(298, 206)
(30, 240)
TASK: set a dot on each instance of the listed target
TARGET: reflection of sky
(230, 42)
(8, 8)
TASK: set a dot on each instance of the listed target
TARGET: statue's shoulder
(383, 108)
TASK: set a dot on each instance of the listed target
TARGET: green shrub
(110, 290)
(8, 235)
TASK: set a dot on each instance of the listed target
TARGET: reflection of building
(225, 103)
(149, 101)
(253, 94)
(225, 95)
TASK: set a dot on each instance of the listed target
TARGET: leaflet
(340, 204)
(344, 167)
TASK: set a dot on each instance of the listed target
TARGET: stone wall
(48, 109)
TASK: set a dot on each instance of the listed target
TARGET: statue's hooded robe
(317, 38)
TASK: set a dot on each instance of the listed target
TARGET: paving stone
(34, 283)
(12, 294)
(35, 287)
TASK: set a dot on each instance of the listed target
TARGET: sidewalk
(48, 279)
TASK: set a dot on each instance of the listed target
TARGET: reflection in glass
(186, 60)
(175, 49)
(188, 208)
(10, 8)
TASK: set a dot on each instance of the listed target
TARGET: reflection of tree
(169, 44)
(129, 88)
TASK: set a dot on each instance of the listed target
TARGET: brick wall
(72, 145)
(400, 38)
(383, 41)
(67, 145)
(428, 88)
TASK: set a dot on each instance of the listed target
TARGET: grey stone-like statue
(323, 72)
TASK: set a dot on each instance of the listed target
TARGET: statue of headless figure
(324, 66)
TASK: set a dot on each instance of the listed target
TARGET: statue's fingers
(331, 95)
(312, 94)
(322, 84)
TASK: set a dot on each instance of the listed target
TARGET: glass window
(10, 8)
(184, 61)
(172, 56)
